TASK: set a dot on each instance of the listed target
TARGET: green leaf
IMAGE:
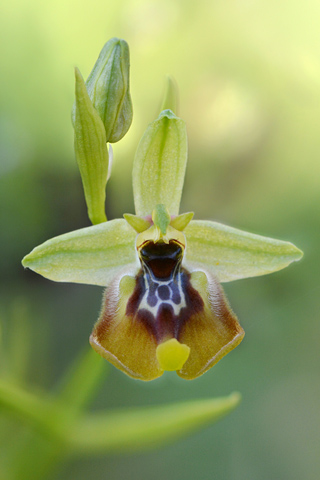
(91, 152)
(159, 165)
(231, 254)
(147, 427)
(25, 405)
(92, 255)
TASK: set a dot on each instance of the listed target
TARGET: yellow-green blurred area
(249, 79)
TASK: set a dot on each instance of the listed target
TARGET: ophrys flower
(164, 307)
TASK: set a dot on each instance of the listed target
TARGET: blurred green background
(249, 78)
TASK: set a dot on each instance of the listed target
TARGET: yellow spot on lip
(172, 355)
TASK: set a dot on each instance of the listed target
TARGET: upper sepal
(231, 254)
(159, 165)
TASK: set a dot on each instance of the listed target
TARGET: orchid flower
(163, 306)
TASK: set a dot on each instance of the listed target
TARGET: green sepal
(138, 223)
(231, 254)
(145, 428)
(159, 165)
(92, 255)
(161, 218)
(91, 152)
(170, 98)
(181, 221)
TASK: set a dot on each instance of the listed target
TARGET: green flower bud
(108, 89)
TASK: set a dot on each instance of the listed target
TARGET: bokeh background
(249, 78)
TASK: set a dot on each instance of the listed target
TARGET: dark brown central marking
(161, 286)
(161, 258)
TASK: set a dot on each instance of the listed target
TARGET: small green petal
(138, 223)
(159, 165)
(92, 255)
(181, 221)
(231, 254)
(147, 427)
(91, 152)
(161, 218)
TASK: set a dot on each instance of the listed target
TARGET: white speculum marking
(163, 278)
(158, 292)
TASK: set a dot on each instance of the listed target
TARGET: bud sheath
(91, 152)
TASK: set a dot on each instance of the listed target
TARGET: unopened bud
(109, 91)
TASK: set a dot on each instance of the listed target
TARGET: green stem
(53, 419)
(37, 457)
(23, 404)
(81, 381)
